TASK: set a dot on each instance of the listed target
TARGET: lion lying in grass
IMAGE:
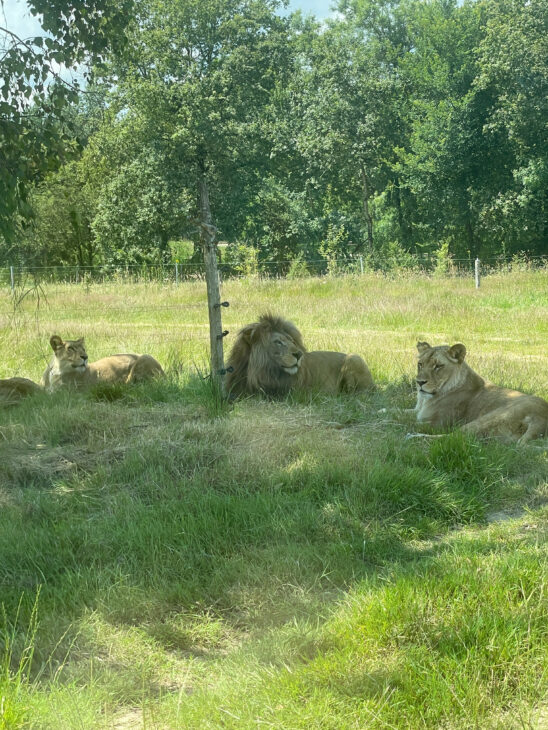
(69, 366)
(269, 357)
(12, 390)
(450, 392)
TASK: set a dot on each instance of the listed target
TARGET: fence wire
(19, 276)
(116, 310)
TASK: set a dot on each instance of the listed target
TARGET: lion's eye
(420, 366)
(71, 349)
(438, 366)
(278, 342)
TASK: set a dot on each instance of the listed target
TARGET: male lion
(12, 390)
(450, 392)
(269, 357)
(69, 366)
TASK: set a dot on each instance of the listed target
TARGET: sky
(319, 8)
(15, 14)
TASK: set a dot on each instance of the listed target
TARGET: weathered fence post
(12, 278)
(361, 264)
(209, 243)
(176, 272)
(477, 272)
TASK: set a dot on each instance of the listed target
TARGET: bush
(443, 261)
(298, 268)
(242, 259)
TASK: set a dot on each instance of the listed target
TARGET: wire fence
(15, 276)
(116, 310)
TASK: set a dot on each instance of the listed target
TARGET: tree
(203, 71)
(34, 95)
(60, 231)
(513, 62)
(347, 127)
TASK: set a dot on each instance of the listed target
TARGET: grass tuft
(291, 563)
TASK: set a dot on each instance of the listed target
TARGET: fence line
(18, 276)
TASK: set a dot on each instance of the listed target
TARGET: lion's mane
(250, 368)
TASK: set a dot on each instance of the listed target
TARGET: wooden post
(176, 272)
(361, 264)
(477, 272)
(209, 244)
(12, 277)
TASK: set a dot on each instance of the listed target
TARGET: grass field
(171, 561)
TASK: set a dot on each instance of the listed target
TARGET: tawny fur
(450, 392)
(12, 390)
(69, 366)
(269, 357)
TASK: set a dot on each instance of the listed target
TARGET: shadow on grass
(160, 517)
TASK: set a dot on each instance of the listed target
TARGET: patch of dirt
(130, 720)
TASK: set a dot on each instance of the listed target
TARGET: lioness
(12, 390)
(450, 392)
(69, 366)
(269, 357)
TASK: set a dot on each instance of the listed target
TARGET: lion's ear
(422, 347)
(457, 352)
(56, 342)
(247, 332)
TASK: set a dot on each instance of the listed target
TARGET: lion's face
(439, 368)
(266, 357)
(284, 352)
(70, 355)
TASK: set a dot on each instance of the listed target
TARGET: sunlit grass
(287, 564)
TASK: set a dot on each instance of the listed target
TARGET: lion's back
(335, 371)
(125, 367)
(506, 403)
(12, 390)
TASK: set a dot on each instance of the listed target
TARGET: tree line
(396, 129)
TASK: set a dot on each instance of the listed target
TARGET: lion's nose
(298, 355)
(420, 383)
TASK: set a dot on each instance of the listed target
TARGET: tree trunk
(470, 237)
(366, 214)
(209, 246)
(404, 229)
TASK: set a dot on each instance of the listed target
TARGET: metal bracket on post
(221, 304)
(224, 371)
(209, 247)
(223, 334)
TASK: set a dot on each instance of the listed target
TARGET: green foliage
(443, 260)
(334, 247)
(135, 214)
(181, 250)
(298, 268)
(391, 256)
(60, 230)
(241, 259)
(279, 223)
(405, 123)
(34, 131)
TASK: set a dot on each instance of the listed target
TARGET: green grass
(168, 560)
